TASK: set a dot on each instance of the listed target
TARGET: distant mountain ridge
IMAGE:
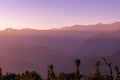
(95, 27)
(92, 27)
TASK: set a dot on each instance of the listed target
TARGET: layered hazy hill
(105, 43)
(29, 49)
(94, 27)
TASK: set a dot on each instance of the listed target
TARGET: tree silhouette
(97, 64)
(66, 76)
(35, 75)
(97, 75)
(10, 76)
(110, 77)
(118, 73)
(77, 71)
(51, 74)
(0, 71)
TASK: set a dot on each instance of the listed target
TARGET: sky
(46, 14)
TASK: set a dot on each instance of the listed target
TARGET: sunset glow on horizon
(59, 39)
(46, 14)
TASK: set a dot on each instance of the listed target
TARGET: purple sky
(43, 14)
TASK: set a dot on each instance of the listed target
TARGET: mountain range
(29, 49)
(94, 27)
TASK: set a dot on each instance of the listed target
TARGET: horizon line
(54, 28)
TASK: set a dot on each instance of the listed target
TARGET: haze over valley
(34, 49)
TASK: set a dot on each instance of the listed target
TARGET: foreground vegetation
(65, 76)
